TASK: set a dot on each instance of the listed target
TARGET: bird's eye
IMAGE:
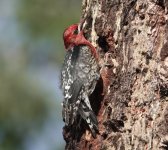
(75, 32)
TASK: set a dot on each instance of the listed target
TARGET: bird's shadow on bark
(97, 96)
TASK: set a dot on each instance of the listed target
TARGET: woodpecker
(79, 75)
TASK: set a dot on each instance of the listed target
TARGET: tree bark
(131, 98)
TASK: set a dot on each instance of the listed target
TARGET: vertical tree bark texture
(131, 37)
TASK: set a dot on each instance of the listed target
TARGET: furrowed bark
(131, 98)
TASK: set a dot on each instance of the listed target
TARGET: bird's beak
(80, 26)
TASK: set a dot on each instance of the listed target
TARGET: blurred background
(31, 55)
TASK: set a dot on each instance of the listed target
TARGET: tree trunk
(131, 37)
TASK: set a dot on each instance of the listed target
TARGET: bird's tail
(88, 115)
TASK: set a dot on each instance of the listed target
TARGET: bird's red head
(73, 37)
(69, 36)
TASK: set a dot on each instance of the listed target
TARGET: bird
(79, 76)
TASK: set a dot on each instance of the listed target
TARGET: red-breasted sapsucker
(79, 76)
